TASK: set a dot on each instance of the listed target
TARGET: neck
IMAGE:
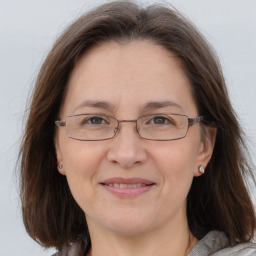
(176, 240)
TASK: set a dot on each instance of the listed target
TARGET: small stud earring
(60, 166)
(201, 169)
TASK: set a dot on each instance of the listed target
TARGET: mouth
(127, 188)
(117, 185)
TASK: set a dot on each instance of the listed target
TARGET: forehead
(131, 74)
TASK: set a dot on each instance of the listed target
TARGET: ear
(205, 149)
(60, 165)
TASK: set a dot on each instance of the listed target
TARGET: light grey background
(28, 29)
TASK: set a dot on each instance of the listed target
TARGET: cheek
(81, 161)
(176, 161)
(81, 157)
(176, 156)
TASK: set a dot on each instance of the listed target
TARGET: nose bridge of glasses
(125, 121)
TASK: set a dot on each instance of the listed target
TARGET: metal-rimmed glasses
(158, 127)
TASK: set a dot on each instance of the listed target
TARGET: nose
(126, 148)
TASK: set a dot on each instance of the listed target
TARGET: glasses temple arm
(196, 120)
(60, 123)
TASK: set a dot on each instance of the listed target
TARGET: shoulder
(216, 243)
(243, 249)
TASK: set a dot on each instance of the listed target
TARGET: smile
(127, 188)
(117, 185)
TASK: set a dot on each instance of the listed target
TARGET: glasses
(159, 127)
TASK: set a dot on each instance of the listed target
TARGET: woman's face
(127, 81)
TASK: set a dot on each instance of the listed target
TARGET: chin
(129, 224)
(131, 229)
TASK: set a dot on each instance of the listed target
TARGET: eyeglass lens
(102, 127)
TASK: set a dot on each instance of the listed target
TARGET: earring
(201, 169)
(60, 166)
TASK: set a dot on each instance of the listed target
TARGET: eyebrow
(94, 104)
(108, 106)
(160, 104)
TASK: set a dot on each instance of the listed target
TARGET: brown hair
(217, 200)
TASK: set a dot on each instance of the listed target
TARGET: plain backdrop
(28, 29)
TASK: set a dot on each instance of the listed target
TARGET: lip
(143, 186)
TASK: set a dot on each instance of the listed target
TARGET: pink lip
(120, 180)
(129, 192)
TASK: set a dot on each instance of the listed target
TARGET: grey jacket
(215, 243)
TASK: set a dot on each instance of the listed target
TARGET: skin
(128, 76)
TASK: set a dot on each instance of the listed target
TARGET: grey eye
(94, 120)
(159, 120)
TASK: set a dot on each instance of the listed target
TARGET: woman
(131, 145)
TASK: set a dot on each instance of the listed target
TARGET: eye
(159, 120)
(95, 120)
